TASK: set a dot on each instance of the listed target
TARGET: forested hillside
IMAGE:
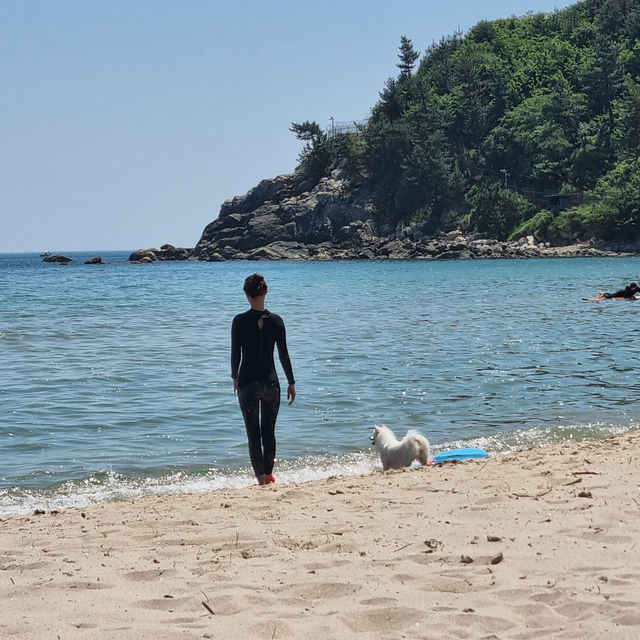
(527, 125)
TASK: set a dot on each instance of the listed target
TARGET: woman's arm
(283, 354)
(235, 353)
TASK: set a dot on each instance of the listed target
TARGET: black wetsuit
(258, 386)
(627, 292)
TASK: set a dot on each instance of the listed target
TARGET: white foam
(542, 436)
(111, 486)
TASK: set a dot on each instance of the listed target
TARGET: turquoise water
(115, 381)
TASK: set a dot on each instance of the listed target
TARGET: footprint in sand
(622, 579)
(164, 604)
(379, 601)
(547, 598)
(629, 619)
(148, 576)
(425, 558)
(229, 605)
(270, 630)
(317, 566)
(188, 623)
(539, 616)
(24, 567)
(442, 584)
(320, 590)
(480, 624)
(581, 610)
(383, 619)
(494, 499)
(80, 586)
(297, 494)
(406, 577)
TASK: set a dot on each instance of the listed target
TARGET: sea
(115, 378)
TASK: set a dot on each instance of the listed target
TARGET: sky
(125, 124)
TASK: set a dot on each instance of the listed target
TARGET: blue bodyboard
(459, 454)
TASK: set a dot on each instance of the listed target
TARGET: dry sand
(538, 544)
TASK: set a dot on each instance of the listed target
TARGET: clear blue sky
(126, 123)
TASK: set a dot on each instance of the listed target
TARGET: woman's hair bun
(255, 285)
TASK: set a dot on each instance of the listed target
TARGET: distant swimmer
(628, 293)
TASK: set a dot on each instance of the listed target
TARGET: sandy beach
(536, 544)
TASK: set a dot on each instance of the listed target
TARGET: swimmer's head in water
(255, 286)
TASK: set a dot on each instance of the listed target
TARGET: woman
(254, 334)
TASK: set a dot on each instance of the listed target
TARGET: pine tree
(314, 157)
(408, 56)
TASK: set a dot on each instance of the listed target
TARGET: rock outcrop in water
(58, 258)
(165, 252)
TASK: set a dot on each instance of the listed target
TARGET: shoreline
(102, 487)
(452, 246)
(293, 252)
(538, 543)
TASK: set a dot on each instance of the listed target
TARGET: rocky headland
(292, 218)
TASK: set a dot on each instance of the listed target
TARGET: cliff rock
(288, 217)
(291, 218)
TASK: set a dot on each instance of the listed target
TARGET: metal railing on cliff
(352, 126)
(561, 201)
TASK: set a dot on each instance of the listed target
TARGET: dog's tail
(419, 446)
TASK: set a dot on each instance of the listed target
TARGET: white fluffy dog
(395, 454)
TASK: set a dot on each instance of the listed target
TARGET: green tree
(617, 213)
(628, 109)
(314, 159)
(408, 56)
(390, 105)
(603, 81)
(497, 211)
(531, 143)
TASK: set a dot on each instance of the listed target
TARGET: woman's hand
(291, 393)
